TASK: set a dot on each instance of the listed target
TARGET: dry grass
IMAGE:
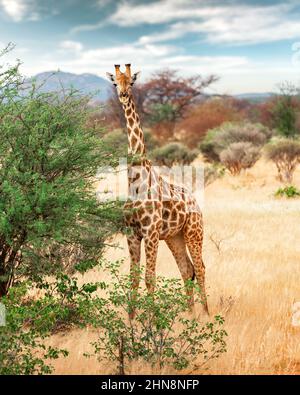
(251, 252)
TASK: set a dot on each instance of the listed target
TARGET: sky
(251, 45)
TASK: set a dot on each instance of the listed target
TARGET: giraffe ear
(135, 77)
(111, 77)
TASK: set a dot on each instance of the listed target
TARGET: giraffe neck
(139, 174)
(136, 143)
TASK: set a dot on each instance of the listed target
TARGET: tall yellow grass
(252, 256)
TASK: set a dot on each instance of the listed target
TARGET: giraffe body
(156, 209)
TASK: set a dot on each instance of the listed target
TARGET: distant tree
(281, 111)
(166, 87)
(286, 110)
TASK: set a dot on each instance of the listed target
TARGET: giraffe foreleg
(134, 247)
(151, 248)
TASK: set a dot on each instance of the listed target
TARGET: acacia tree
(48, 160)
(165, 87)
(168, 96)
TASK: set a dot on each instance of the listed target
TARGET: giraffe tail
(194, 275)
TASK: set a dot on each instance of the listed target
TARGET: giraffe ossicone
(157, 209)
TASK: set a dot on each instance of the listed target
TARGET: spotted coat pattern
(156, 209)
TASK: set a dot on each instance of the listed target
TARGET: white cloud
(163, 11)
(265, 24)
(206, 20)
(237, 74)
(72, 56)
(93, 60)
(16, 9)
(87, 27)
(28, 10)
(229, 24)
(233, 23)
(149, 57)
(171, 34)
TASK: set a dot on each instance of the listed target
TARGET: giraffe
(159, 210)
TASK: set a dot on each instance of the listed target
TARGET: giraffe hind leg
(193, 235)
(178, 248)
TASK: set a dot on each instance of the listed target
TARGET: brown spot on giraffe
(146, 221)
(173, 216)
(134, 140)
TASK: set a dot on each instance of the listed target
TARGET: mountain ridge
(89, 83)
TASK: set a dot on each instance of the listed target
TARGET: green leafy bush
(289, 191)
(31, 320)
(159, 334)
(23, 350)
(173, 153)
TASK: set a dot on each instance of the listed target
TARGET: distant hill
(255, 97)
(90, 83)
(85, 83)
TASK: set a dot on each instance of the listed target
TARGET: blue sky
(251, 45)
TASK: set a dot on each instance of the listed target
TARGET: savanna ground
(251, 251)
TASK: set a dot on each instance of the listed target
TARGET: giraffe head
(123, 82)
